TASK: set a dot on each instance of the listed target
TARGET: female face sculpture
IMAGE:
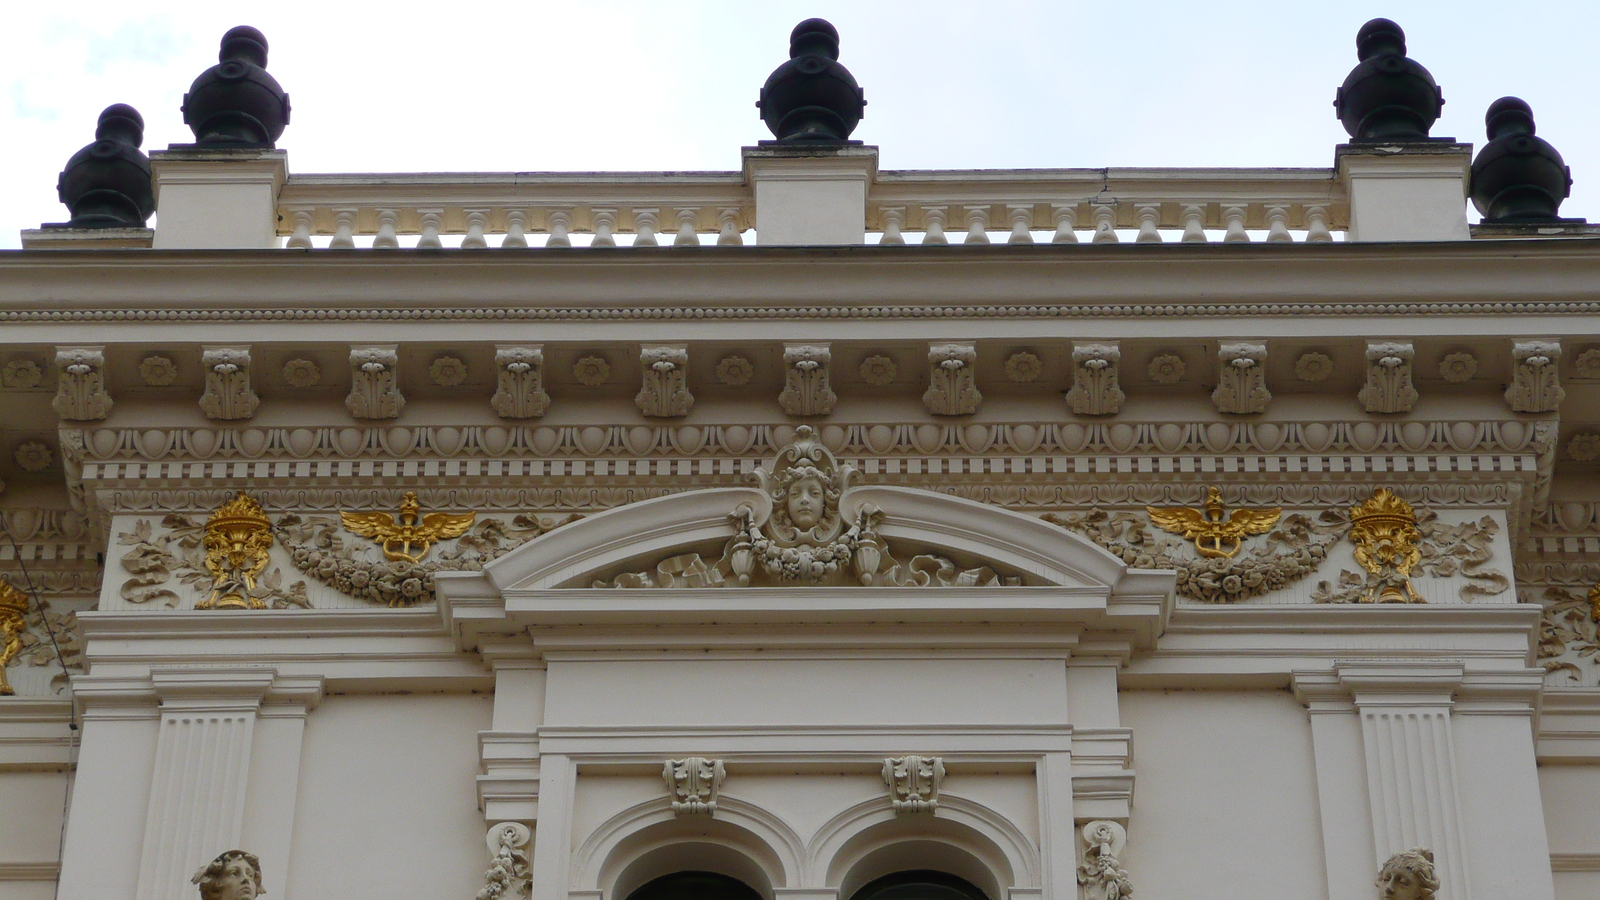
(1408, 876)
(805, 502)
(237, 881)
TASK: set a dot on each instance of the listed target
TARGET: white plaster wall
(1225, 782)
(1571, 794)
(387, 804)
(30, 828)
(831, 691)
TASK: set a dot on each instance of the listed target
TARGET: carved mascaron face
(237, 882)
(1399, 883)
(806, 499)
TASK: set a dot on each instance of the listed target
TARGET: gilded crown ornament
(409, 535)
(237, 539)
(1384, 531)
(1214, 536)
(13, 620)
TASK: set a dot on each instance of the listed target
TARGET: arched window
(697, 886)
(919, 884)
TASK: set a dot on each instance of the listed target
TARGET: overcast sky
(484, 86)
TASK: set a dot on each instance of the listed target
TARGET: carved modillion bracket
(913, 782)
(1095, 391)
(1241, 379)
(806, 387)
(520, 392)
(952, 379)
(81, 390)
(1535, 381)
(375, 382)
(664, 370)
(695, 782)
(1388, 388)
(227, 394)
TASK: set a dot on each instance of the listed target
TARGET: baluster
(1194, 224)
(728, 227)
(687, 235)
(1278, 225)
(605, 227)
(388, 224)
(977, 225)
(1021, 223)
(1105, 224)
(477, 223)
(644, 227)
(344, 229)
(933, 229)
(1234, 217)
(1066, 219)
(1317, 224)
(1149, 220)
(894, 218)
(301, 239)
(558, 222)
(432, 221)
(516, 229)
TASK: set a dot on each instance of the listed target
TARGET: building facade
(803, 532)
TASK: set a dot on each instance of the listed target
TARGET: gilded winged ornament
(404, 537)
(1214, 536)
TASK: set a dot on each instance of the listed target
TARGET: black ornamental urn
(236, 103)
(107, 184)
(1387, 97)
(812, 99)
(1517, 176)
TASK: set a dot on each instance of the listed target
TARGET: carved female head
(1408, 876)
(234, 875)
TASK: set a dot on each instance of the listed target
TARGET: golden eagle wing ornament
(1179, 520)
(1253, 521)
(376, 525)
(440, 526)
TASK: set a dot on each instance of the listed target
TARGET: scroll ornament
(374, 383)
(1388, 388)
(1535, 380)
(802, 538)
(1241, 379)
(81, 392)
(520, 393)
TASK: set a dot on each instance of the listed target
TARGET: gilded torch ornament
(1384, 532)
(13, 621)
(237, 539)
(1214, 536)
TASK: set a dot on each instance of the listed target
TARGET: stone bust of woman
(234, 875)
(1408, 876)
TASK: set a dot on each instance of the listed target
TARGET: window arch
(695, 885)
(920, 884)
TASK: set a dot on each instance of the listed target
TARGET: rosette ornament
(1518, 177)
(812, 99)
(236, 103)
(1388, 96)
(107, 184)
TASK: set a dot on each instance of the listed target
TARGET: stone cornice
(710, 286)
